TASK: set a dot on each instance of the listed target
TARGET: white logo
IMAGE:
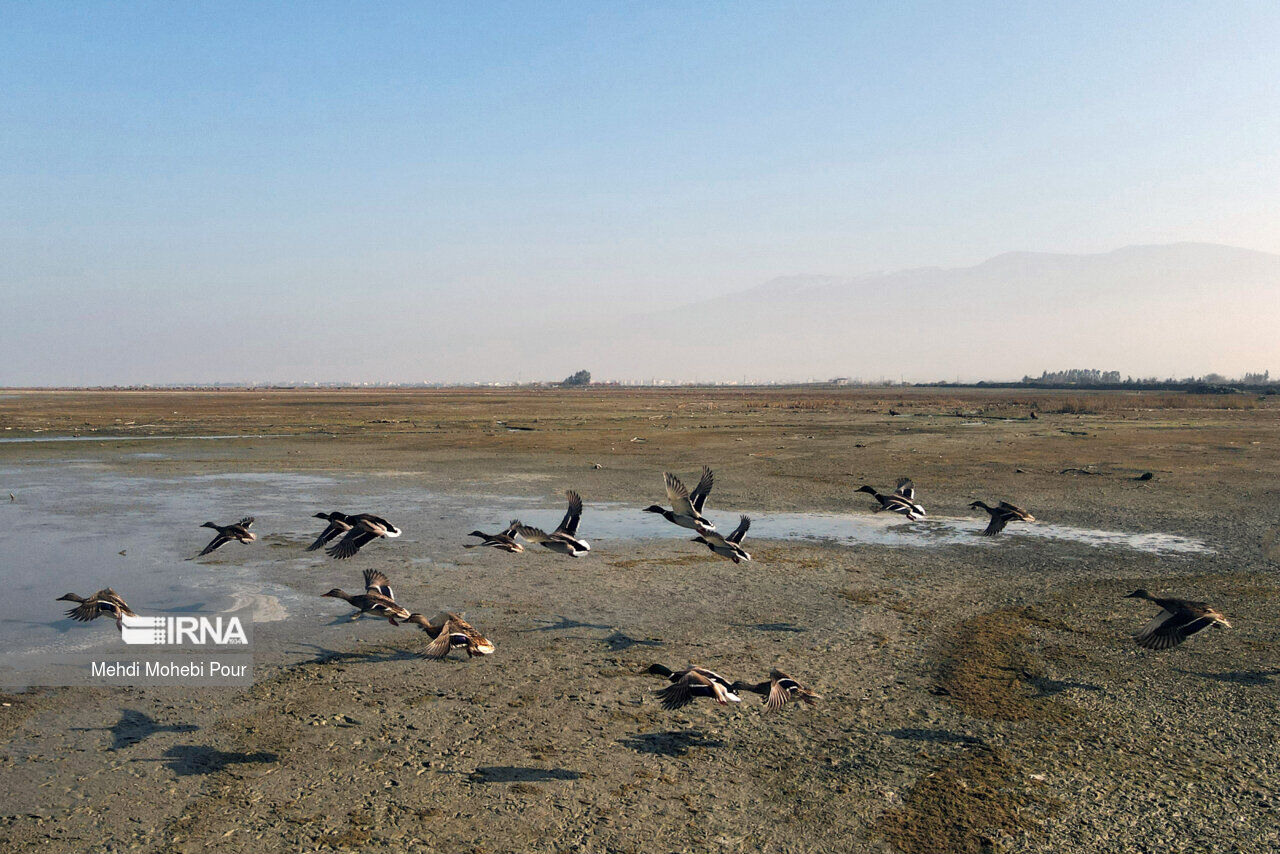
(192, 631)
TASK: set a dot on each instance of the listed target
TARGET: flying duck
(377, 598)
(1002, 515)
(105, 601)
(365, 528)
(227, 533)
(1178, 620)
(688, 685)
(730, 546)
(564, 539)
(687, 512)
(504, 540)
(338, 524)
(449, 632)
(779, 689)
(902, 500)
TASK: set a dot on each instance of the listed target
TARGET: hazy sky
(364, 191)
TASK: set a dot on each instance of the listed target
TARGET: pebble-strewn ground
(974, 698)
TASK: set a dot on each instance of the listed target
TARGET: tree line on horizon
(1094, 378)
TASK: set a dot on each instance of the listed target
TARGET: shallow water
(70, 523)
(22, 440)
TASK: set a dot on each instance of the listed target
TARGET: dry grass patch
(964, 805)
(990, 670)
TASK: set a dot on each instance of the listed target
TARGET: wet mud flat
(976, 697)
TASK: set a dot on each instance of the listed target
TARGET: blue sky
(167, 167)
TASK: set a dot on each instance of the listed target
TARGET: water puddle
(75, 530)
(610, 521)
(24, 440)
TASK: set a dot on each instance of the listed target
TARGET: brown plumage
(449, 632)
(778, 690)
(730, 546)
(1001, 515)
(564, 539)
(690, 684)
(1178, 620)
(377, 598)
(338, 524)
(365, 528)
(503, 540)
(105, 602)
(238, 531)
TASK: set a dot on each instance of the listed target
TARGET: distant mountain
(1185, 308)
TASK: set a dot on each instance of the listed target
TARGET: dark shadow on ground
(135, 726)
(188, 759)
(562, 623)
(521, 774)
(617, 642)
(1248, 678)
(670, 742)
(372, 656)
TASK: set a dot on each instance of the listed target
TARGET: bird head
(69, 597)
(1138, 594)
(654, 508)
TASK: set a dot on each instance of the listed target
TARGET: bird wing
(245, 522)
(897, 504)
(455, 632)
(350, 544)
(714, 538)
(906, 489)
(371, 524)
(533, 535)
(376, 582)
(702, 490)
(569, 524)
(678, 495)
(710, 674)
(1166, 630)
(88, 609)
(328, 534)
(785, 689)
(739, 532)
(379, 603)
(216, 543)
(996, 525)
(1016, 512)
(439, 648)
(779, 693)
(682, 692)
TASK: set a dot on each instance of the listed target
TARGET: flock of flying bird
(1177, 620)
